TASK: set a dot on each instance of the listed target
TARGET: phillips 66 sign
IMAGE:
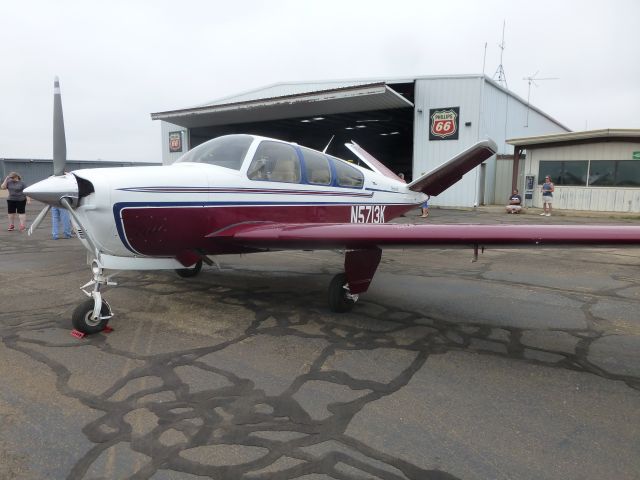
(444, 123)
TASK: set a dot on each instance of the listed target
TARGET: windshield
(228, 151)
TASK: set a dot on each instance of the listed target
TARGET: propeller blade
(39, 218)
(59, 142)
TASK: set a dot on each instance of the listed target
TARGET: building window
(614, 173)
(572, 173)
(600, 173)
(316, 167)
(275, 162)
(347, 176)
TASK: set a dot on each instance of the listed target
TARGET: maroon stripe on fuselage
(167, 231)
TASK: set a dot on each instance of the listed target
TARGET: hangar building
(596, 170)
(412, 124)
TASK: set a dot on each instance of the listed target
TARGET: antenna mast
(533, 79)
(500, 76)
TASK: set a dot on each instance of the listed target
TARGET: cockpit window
(228, 151)
(275, 162)
(347, 175)
(317, 167)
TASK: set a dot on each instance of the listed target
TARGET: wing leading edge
(346, 235)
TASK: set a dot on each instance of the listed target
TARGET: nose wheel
(93, 315)
(340, 298)
(84, 320)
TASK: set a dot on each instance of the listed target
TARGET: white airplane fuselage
(161, 211)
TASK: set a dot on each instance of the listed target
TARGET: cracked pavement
(523, 365)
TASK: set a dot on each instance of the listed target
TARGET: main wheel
(82, 321)
(338, 300)
(190, 272)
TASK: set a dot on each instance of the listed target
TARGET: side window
(347, 175)
(316, 167)
(275, 162)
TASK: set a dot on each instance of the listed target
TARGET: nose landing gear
(92, 315)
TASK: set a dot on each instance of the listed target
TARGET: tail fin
(442, 177)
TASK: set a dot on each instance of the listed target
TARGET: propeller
(59, 142)
(39, 218)
(59, 150)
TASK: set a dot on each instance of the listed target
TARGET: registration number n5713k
(367, 213)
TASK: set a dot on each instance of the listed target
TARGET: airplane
(247, 194)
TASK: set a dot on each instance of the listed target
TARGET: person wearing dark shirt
(16, 201)
(515, 202)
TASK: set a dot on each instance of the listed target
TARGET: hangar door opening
(378, 117)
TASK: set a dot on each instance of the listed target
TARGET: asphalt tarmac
(523, 365)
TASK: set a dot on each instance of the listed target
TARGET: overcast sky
(118, 61)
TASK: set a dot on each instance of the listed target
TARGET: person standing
(16, 201)
(425, 208)
(60, 215)
(547, 196)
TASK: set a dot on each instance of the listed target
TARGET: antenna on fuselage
(330, 140)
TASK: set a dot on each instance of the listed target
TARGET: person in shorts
(16, 201)
(547, 196)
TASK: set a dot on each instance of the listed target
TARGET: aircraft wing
(443, 176)
(313, 236)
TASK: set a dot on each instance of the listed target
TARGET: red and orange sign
(444, 123)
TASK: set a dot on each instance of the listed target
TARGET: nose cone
(52, 189)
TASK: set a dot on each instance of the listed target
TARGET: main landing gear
(92, 315)
(359, 267)
(190, 272)
(340, 298)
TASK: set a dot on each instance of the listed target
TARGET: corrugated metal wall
(504, 170)
(503, 117)
(493, 113)
(169, 157)
(439, 93)
(600, 199)
(33, 171)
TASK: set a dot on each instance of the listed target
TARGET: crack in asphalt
(238, 413)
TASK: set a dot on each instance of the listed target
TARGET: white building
(412, 124)
(597, 170)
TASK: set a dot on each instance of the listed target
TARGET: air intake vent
(85, 187)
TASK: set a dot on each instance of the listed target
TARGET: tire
(338, 301)
(81, 318)
(190, 272)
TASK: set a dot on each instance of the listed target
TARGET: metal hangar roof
(289, 100)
